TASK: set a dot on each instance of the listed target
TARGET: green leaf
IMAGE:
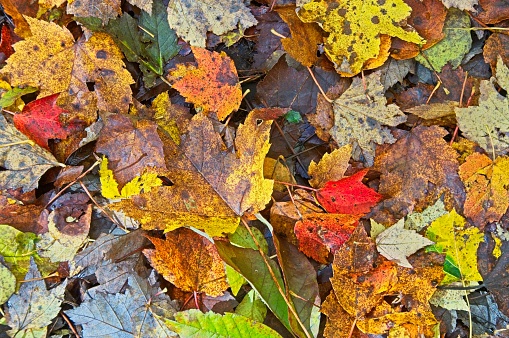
(150, 42)
(12, 95)
(194, 323)
(235, 279)
(17, 247)
(252, 307)
(241, 237)
(293, 116)
(253, 266)
(7, 284)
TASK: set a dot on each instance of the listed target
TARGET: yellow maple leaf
(354, 28)
(56, 63)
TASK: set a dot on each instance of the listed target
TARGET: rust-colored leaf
(189, 261)
(213, 85)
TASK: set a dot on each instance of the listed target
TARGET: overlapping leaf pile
(362, 190)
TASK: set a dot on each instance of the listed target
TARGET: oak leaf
(486, 182)
(213, 86)
(415, 172)
(41, 120)
(193, 19)
(355, 27)
(488, 123)
(360, 116)
(189, 261)
(59, 64)
(348, 195)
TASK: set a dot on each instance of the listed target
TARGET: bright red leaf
(41, 120)
(320, 234)
(348, 195)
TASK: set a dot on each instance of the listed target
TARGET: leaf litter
(214, 168)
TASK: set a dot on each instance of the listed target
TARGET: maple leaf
(41, 120)
(397, 243)
(348, 195)
(331, 167)
(486, 182)
(24, 163)
(189, 261)
(199, 196)
(360, 114)
(59, 64)
(416, 171)
(460, 242)
(193, 19)
(322, 234)
(213, 86)
(488, 123)
(354, 28)
(453, 47)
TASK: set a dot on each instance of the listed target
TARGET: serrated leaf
(33, 307)
(194, 323)
(24, 163)
(397, 243)
(488, 123)
(361, 115)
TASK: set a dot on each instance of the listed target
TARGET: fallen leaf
(348, 195)
(493, 11)
(419, 220)
(331, 167)
(68, 65)
(199, 196)
(415, 172)
(213, 86)
(32, 309)
(464, 5)
(24, 163)
(193, 19)
(95, 8)
(41, 120)
(394, 71)
(212, 325)
(487, 124)
(459, 241)
(355, 123)
(252, 307)
(189, 261)
(150, 42)
(7, 283)
(136, 312)
(306, 37)
(18, 9)
(8, 39)
(354, 29)
(397, 243)
(453, 47)
(496, 45)
(321, 234)
(486, 183)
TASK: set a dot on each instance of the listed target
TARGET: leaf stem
(318, 85)
(32, 143)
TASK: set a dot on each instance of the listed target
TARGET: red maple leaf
(320, 234)
(348, 195)
(41, 120)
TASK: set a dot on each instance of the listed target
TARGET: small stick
(318, 85)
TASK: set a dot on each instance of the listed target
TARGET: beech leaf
(397, 243)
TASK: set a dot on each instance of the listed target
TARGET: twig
(296, 185)
(318, 85)
(70, 324)
(101, 208)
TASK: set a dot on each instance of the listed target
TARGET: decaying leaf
(32, 309)
(487, 183)
(213, 86)
(488, 123)
(416, 171)
(189, 261)
(463, 5)
(104, 10)
(193, 19)
(59, 64)
(23, 162)
(360, 116)
(397, 243)
(354, 28)
(331, 167)
(199, 196)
